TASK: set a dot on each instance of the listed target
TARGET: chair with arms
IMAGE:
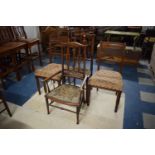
(73, 67)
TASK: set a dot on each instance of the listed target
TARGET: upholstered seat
(66, 94)
(111, 80)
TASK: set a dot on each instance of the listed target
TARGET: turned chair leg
(7, 108)
(5, 104)
(77, 114)
(39, 53)
(38, 85)
(88, 94)
(117, 100)
(47, 105)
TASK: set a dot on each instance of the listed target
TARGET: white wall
(32, 32)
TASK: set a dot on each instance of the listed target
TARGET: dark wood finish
(73, 67)
(6, 107)
(57, 37)
(9, 51)
(20, 35)
(111, 51)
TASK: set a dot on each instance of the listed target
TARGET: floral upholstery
(66, 94)
(106, 79)
(49, 70)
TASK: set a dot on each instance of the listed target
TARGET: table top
(11, 46)
(124, 33)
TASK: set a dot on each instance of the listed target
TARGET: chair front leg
(77, 114)
(118, 100)
(88, 93)
(47, 105)
(38, 84)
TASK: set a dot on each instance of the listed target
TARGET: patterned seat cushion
(106, 79)
(66, 94)
(50, 70)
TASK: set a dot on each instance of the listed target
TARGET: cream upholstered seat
(107, 79)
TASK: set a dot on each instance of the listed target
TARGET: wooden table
(11, 49)
(135, 35)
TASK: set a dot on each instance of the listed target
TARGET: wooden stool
(109, 80)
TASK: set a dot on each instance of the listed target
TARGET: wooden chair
(73, 67)
(20, 35)
(106, 79)
(111, 52)
(49, 71)
(9, 50)
(57, 38)
(2, 101)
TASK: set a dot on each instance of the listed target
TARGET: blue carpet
(20, 92)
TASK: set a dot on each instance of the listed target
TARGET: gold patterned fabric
(66, 94)
(50, 70)
(106, 79)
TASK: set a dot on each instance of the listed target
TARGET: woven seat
(73, 67)
(69, 97)
(47, 72)
(107, 79)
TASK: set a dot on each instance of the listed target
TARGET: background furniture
(152, 62)
(2, 101)
(20, 35)
(112, 52)
(10, 50)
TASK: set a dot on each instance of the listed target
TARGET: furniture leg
(40, 59)
(38, 84)
(47, 105)
(117, 100)
(88, 94)
(77, 114)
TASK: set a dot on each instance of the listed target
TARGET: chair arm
(83, 82)
(49, 78)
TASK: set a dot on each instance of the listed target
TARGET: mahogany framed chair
(20, 35)
(111, 52)
(106, 79)
(56, 38)
(73, 67)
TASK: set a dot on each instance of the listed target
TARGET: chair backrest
(19, 32)
(74, 60)
(111, 49)
(5, 34)
(63, 35)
